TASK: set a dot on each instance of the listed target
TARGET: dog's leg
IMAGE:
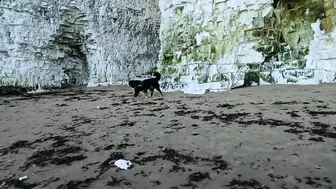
(152, 91)
(157, 87)
(136, 91)
(145, 91)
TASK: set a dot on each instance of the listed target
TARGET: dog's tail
(157, 75)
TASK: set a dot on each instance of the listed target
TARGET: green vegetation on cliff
(280, 31)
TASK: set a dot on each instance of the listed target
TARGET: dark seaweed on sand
(117, 182)
(77, 184)
(14, 182)
(246, 184)
(198, 176)
(55, 156)
(177, 158)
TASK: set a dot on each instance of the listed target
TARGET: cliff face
(220, 44)
(57, 43)
(203, 44)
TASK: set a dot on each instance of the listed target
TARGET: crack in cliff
(70, 38)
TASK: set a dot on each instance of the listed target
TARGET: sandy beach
(262, 137)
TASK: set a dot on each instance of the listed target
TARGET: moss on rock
(251, 77)
(282, 36)
(267, 77)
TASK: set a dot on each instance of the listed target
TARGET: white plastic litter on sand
(123, 164)
(23, 178)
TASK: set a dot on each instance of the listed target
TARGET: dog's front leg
(145, 91)
(152, 91)
(136, 91)
(158, 88)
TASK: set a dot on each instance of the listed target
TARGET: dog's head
(157, 75)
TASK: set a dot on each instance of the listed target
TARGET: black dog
(134, 83)
(152, 83)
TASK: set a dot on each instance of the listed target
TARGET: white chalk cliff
(197, 45)
(219, 44)
(52, 43)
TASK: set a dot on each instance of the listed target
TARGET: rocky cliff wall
(219, 44)
(204, 44)
(51, 43)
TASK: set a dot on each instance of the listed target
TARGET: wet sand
(258, 137)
